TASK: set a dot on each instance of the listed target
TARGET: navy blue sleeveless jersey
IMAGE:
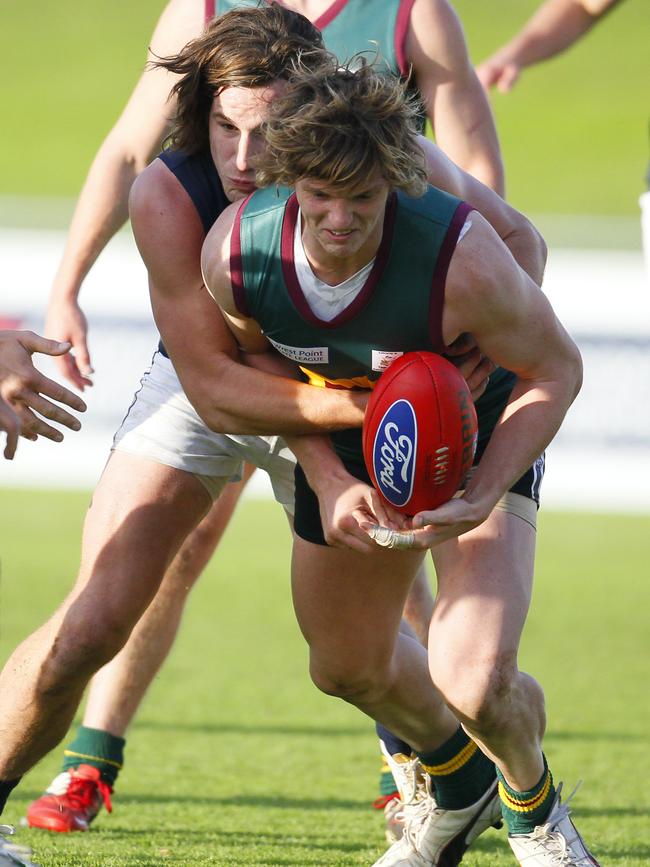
(198, 177)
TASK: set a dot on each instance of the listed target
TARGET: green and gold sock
(97, 748)
(523, 811)
(460, 773)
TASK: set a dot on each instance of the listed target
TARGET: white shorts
(162, 425)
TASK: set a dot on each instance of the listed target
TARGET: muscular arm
(518, 234)
(555, 26)
(229, 396)
(102, 207)
(453, 97)
(513, 323)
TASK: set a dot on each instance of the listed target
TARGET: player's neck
(332, 268)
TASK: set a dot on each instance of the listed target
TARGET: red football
(419, 432)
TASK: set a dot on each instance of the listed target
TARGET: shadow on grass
(178, 838)
(271, 801)
(595, 737)
(226, 728)
(611, 812)
(256, 729)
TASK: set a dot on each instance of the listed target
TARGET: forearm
(529, 422)
(233, 398)
(465, 131)
(554, 27)
(317, 458)
(101, 210)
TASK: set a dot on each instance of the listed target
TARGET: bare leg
(349, 607)
(118, 688)
(140, 515)
(418, 608)
(484, 589)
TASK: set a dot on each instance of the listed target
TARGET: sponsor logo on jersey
(393, 453)
(304, 354)
(381, 359)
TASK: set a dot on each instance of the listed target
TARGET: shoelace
(417, 811)
(79, 791)
(18, 854)
(554, 842)
(414, 783)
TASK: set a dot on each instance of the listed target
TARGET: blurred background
(574, 137)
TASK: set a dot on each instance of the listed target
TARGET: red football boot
(71, 802)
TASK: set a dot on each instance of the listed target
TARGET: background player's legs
(94, 758)
(140, 515)
(349, 608)
(118, 688)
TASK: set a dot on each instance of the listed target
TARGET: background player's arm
(516, 231)
(229, 396)
(515, 325)
(103, 203)
(555, 26)
(454, 100)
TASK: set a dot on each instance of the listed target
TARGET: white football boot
(12, 855)
(434, 837)
(394, 817)
(556, 843)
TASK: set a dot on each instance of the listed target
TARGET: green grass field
(574, 132)
(236, 759)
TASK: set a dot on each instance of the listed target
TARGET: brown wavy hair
(247, 47)
(339, 124)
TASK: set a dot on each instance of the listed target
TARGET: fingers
(81, 356)
(41, 384)
(55, 413)
(462, 344)
(10, 423)
(507, 78)
(33, 342)
(348, 533)
(478, 379)
(32, 426)
(67, 367)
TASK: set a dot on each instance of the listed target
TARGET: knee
(87, 641)
(354, 684)
(478, 693)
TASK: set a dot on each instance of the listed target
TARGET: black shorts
(307, 523)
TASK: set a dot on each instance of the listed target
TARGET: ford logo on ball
(393, 453)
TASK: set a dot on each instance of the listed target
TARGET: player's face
(342, 226)
(235, 135)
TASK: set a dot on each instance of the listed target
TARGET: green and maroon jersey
(398, 309)
(350, 26)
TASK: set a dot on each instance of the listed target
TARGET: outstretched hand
(67, 322)
(25, 391)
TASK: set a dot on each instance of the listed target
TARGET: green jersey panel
(350, 26)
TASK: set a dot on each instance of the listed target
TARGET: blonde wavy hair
(339, 124)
